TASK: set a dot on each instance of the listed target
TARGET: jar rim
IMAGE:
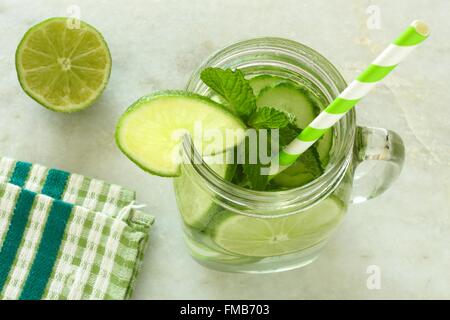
(299, 198)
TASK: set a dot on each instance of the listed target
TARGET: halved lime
(151, 130)
(266, 237)
(63, 65)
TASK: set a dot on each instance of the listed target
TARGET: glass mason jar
(229, 228)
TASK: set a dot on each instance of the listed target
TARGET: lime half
(266, 237)
(63, 64)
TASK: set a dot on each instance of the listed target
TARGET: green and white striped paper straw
(414, 35)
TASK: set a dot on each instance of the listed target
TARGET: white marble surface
(156, 44)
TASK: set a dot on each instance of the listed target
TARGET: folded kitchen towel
(66, 236)
(73, 188)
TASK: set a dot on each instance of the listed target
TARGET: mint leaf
(233, 87)
(239, 97)
(252, 171)
(304, 170)
(288, 134)
(255, 179)
(270, 118)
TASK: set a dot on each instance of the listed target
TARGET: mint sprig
(288, 134)
(252, 171)
(269, 118)
(233, 87)
(239, 97)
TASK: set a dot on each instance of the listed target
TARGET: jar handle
(379, 155)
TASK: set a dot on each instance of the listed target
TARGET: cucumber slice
(323, 147)
(259, 237)
(296, 100)
(258, 83)
(305, 169)
(290, 98)
(195, 205)
(149, 132)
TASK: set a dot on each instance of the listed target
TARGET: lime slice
(151, 130)
(61, 66)
(203, 248)
(266, 237)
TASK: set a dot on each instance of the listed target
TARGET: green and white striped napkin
(66, 236)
